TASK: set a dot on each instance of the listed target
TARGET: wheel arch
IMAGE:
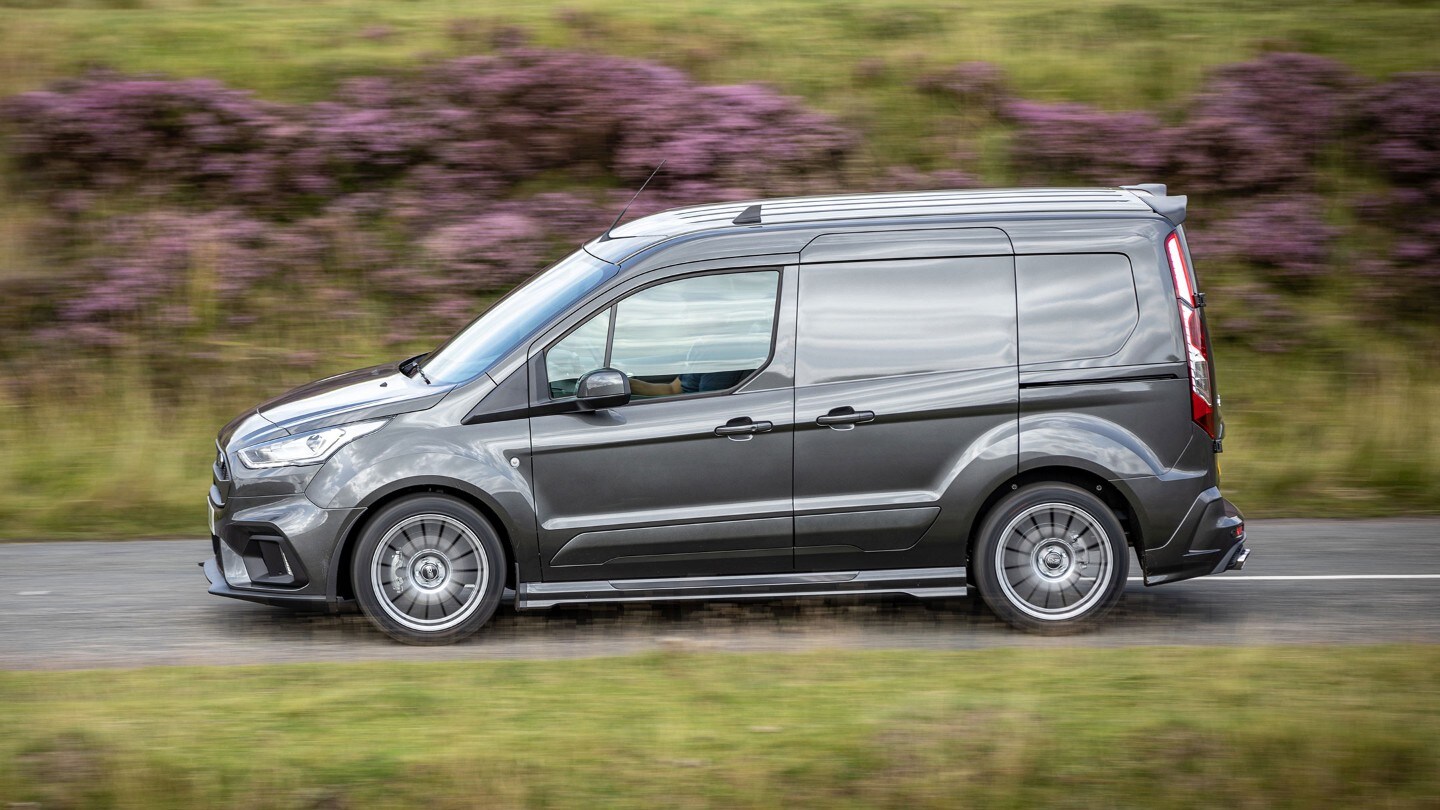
(340, 585)
(1110, 492)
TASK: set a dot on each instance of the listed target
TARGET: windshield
(515, 317)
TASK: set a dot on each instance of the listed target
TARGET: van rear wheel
(428, 570)
(1051, 558)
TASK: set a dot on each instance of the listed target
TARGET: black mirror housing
(602, 388)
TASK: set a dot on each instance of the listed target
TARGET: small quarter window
(581, 351)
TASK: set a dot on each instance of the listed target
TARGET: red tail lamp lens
(1202, 398)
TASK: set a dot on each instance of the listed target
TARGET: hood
(367, 393)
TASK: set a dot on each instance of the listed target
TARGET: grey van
(914, 393)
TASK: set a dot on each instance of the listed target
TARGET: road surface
(144, 603)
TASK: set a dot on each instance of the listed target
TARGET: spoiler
(1155, 196)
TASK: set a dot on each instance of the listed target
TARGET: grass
(107, 457)
(1174, 728)
(111, 456)
(1331, 436)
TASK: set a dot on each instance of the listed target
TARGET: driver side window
(692, 335)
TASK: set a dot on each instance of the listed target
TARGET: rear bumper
(1210, 539)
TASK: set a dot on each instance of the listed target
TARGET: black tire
(1051, 559)
(428, 570)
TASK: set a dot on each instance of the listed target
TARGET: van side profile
(914, 393)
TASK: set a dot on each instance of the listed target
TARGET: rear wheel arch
(1119, 501)
(1050, 557)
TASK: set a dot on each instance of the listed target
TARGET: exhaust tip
(1239, 561)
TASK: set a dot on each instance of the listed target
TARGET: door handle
(743, 426)
(845, 418)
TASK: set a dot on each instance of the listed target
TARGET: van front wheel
(429, 570)
(1050, 558)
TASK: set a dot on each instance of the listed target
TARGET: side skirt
(925, 583)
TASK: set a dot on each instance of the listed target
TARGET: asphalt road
(144, 603)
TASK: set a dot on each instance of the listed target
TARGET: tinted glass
(516, 317)
(693, 335)
(862, 320)
(581, 351)
(1074, 306)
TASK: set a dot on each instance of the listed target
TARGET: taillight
(1202, 398)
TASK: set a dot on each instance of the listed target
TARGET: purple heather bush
(1054, 141)
(1304, 101)
(1256, 129)
(1399, 126)
(1284, 240)
(184, 207)
(415, 185)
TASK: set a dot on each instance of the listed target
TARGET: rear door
(905, 381)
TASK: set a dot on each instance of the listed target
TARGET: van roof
(793, 210)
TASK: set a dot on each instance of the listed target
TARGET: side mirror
(602, 388)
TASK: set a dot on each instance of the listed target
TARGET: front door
(693, 476)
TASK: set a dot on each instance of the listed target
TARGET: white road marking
(1302, 577)
(33, 593)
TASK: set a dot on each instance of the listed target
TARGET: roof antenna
(607, 237)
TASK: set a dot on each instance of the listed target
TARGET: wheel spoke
(1052, 568)
(435, 562)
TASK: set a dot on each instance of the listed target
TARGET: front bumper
(280, 550)
(219, 587)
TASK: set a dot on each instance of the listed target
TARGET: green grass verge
(112, 456)
(1173, 728)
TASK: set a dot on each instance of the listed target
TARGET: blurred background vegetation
(207, 202)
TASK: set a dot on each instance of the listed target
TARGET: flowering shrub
(1399, 122)
(1284, 239)
(1303, 101)
(1257, 129)
(413, 182)
(176, 207)
(1075, 140)
(109, 132)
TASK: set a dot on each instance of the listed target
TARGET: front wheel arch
(342, 587)
(429, 588)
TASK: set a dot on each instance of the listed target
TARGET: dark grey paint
(600, 476)
(859, 246)
(648, 489)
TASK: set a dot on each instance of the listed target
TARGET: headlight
(307, 448)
